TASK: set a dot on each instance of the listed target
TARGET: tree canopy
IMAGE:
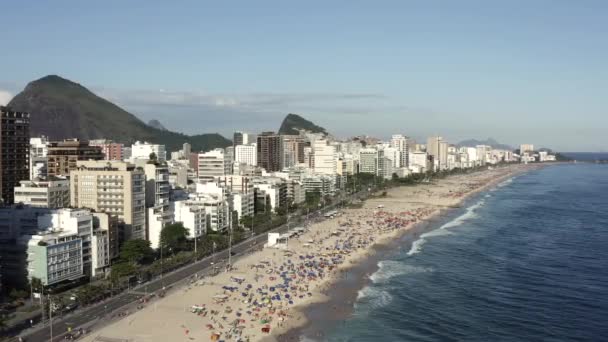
(174, 236)
(136, 251)
(120, 270)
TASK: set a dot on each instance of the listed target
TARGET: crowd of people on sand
(259, 293)
(264, 301)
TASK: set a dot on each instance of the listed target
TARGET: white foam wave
(417, 246)
(505, 182)
(437, 232)
(388, 269)
(468, 214)
(374, 297)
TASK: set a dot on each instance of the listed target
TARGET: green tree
(136, 251)
(121, 270)
(174, 236)
(18, 294)
(36, 284)
(313, 198)
(153, 157)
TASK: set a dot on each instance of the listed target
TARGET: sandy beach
(266, 292)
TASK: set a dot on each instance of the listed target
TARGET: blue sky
(519, 71)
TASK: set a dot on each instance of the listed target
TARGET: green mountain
(60, 109)
(156, 124)
(293, 122)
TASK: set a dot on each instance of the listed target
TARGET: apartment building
(14, 151)
(114, 187)
(64, 155)
(70, 244)
(53, 193)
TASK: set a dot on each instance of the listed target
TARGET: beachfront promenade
(103, 313)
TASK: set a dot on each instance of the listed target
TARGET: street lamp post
(195, 249)
(230, 241)
(161, 261)
(51, 316)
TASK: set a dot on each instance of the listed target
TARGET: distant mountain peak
(156, 124)
(54, 81)
(52, 78)
(60, 108)
(489, 141)
(293, 123)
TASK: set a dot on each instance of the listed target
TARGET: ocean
(525, 261)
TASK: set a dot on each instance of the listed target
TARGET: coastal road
(101, 310)
(88, 316)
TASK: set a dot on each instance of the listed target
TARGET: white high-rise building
(217, 210)
(246, 154)
(325, 157)
(39, 148)
(51, 193)
(214, 163)
(418, 162)
(158, 210)
(143, 150)
(443, 155)
(401, 143)
(433, 148)
(394, 155)
(192, 216)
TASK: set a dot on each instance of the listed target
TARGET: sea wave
(373, 297)
(467, 215)
(417, 246)
(503, 183)
(388, 269)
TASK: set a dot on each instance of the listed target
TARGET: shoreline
(337, 250)
(341, 295)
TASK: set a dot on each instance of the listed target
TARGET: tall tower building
(401, 143)
(325, 157)
(14, 151)
(246, 154)
(114, 187)
(443, 155)
(39, 148)
(433, 149)
(293, 150)
(270, 151)
(186, 150)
